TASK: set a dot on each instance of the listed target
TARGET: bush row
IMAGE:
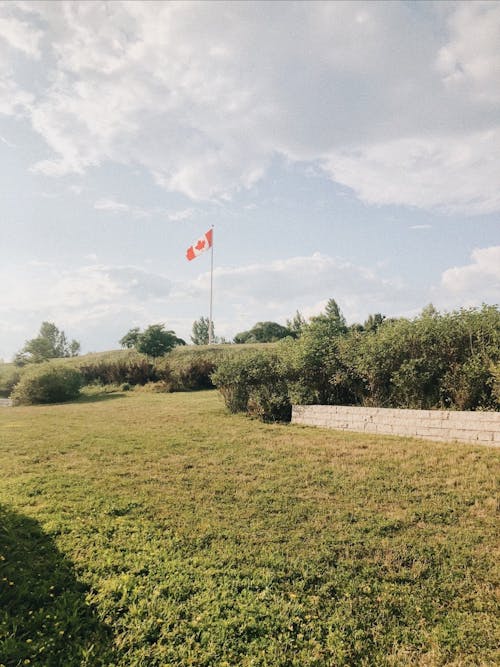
(177, 371)
(183, 369)
(447, 361)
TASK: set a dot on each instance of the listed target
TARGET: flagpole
(210, 324)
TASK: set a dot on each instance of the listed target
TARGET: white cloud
(420, 227)
(182, 214)
(399, 103)
(20, 35)
(47, 288)
(474, 283)
(470, 61)
(113, 206)
(12, 98)
(451, 173)
(276, 289)
(16, 37)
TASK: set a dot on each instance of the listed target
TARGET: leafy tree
(320, 373)
(51, 343)
(296, 325)
(263, 332)
(131, 338)
(74, 348)
(244, 337)
(201, 330)
(332, 321)
(429, 311)
(373, 322)
(155, 341)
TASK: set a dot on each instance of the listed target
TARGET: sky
(344, 150)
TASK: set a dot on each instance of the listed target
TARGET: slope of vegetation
(157, 529)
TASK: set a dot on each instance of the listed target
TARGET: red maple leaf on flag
(200, 246)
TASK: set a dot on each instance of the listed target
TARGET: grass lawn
(156, 529)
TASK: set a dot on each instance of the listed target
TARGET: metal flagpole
(210, 323)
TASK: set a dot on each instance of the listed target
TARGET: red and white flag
(200, 246)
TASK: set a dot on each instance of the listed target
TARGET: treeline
(449, 361)
(436, 360)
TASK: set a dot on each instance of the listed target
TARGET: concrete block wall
(480, 428)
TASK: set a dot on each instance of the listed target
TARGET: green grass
(145, 529)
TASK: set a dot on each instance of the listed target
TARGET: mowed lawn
(156, 529)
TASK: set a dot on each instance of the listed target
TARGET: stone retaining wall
(480, 428)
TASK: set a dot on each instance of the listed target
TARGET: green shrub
(47, 383)
(9, 377)
(495, 384)
(193, 370)
(133, 369)
(255, 381)
(232, 380)
(316, 369)
(434, 361)
(270, 402)
(192, 366)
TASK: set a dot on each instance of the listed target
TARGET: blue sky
(345, 150)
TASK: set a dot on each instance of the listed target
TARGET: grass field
(155, 529)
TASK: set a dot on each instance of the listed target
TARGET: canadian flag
(200, 246)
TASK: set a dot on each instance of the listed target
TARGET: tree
(244, 337)
(201, 329)
(320, 372)
(296, 325)
(155, 341)
(373, 322)
(429, 311)
(131, 338)
(51, 343)
(331, 323)
(263, 332)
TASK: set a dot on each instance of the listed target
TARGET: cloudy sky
(340, 149)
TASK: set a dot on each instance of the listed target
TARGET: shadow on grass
(44, 617)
